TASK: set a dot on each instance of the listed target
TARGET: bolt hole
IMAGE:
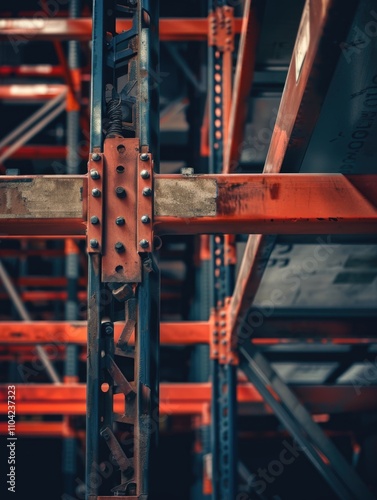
(105, 387)
(121, 149)
(119, 269)
(120, 169)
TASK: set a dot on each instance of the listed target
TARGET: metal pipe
(22, 311)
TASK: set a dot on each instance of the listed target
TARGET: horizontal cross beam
(20, 31)
(230, 204)
(185, 398)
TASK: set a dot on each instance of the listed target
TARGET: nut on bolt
(144, 243)
(145, 219)
(94, 220)
(94, 174)
(96, 157)
(120, 192)
(119, 221)
(144, 157)
(119, 247)
(96, 193)
(147, 192)
(144, 174)
(93, 243)
(109, 330)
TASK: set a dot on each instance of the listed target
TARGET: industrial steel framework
(123, 205)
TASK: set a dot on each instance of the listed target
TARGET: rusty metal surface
(267, 204)
(257, 203)
(122, 265)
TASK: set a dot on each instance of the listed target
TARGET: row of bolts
(121, 193)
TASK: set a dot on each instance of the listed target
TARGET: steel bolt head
(96, 193)
(147, 192)
(93, 243)
(94, 174)
(144, 243)
(109, 330)
(215, 353)
(94, 220)
(96, 157)
(119, 247)
(119, 221)
(120, 192)
(144, 174)
(223, 333)
(144, 157)
(145, 219)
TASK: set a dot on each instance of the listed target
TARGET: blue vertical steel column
(224, 380)
(72, 257)
(94, 262)
(148, 126)
(93, 375)
(127, 111)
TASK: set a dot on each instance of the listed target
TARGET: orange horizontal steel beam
(42, 332)
(181, 398)
(30, 91)
(266, 204)
(18, 31)
(230, 204)
(38, 152)
(40, 429)
(41, 70)
(69, 399)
